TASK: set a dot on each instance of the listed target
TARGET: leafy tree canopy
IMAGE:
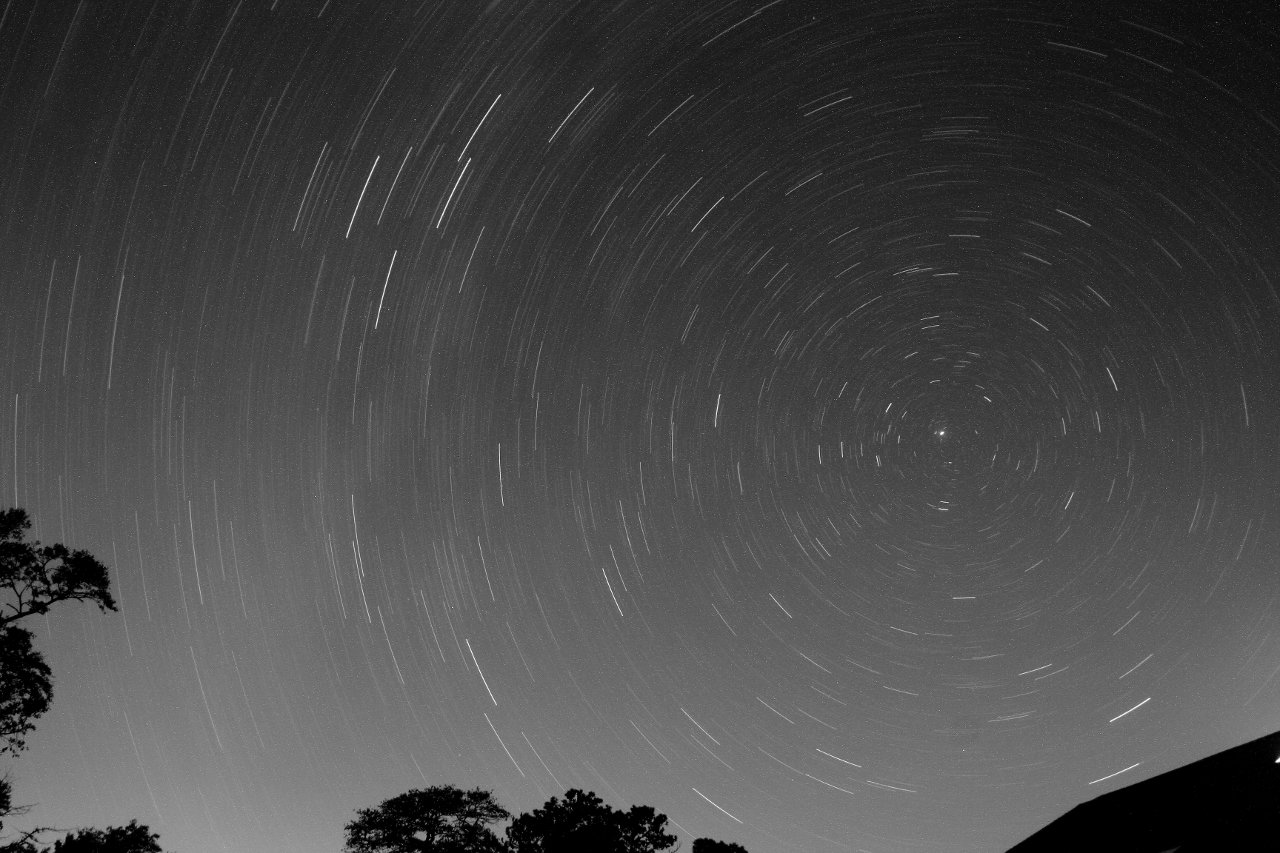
(710, 845)
(134, 838)
(22, 844)
(439, 819)
(581, 821)
(33, 578)
(26, 688)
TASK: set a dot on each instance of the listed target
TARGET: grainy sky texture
(839, 426)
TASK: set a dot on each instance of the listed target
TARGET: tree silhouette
(21, 845)
(710, 845)
(33, 578)
(26, 688)
(7, 808)
(582, 822)
(134, 838)
(439, 819)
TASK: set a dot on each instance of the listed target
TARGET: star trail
(842, 427)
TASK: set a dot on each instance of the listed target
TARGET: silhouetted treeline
(34, 578)
(446, 819)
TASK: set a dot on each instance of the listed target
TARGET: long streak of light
(362, 192)
(504, 746)
(708, 799)
(483, 680)
(1113, 775)
(1130, 711)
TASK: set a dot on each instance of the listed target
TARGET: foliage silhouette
(24, 844)
(33, 578)
(134, 838)
(26, 688)
(710, 845)
(7, 808)
(582, 822)
(439, 819)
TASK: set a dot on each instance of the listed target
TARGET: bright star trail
(839, 426)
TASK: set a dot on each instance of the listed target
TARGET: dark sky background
(839, 429)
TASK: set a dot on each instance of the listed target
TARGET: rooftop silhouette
(1223, 802)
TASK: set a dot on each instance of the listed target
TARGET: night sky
(840, 430)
